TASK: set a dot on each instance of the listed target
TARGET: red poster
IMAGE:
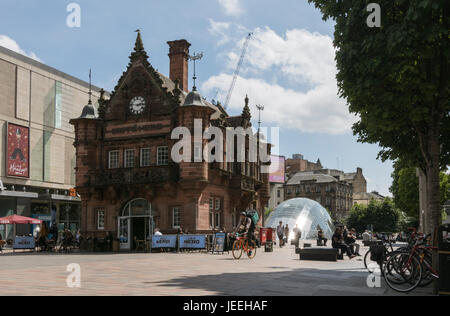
(18, 152)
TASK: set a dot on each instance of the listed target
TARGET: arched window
(137, 208)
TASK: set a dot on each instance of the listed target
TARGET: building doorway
(135, 224)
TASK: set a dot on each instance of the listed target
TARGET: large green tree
(396, 79)
(405, 188)
(382, 215)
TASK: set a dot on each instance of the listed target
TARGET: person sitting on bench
(321, 238)
(350, 240)
(338, 243)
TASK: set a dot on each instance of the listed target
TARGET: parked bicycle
(405, 271)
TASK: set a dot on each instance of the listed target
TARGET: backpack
(253, 215)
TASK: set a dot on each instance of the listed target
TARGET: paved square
(186, 274)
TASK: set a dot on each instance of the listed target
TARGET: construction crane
(238, 69)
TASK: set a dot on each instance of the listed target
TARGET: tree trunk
(423, 205)
(434, 217)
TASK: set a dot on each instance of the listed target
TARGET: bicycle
(379, 253)
(241, 244)
(405, 271)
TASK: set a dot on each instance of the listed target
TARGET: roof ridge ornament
(139, 50)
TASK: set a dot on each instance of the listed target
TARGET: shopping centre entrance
(135, 224)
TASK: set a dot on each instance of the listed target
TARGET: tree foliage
(396, 79)
(405, 188)
(382, 215)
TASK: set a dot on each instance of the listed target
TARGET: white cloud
(11, 44)
(219, 29)
(293, 76)
(232, 7)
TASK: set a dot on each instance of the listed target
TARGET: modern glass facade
(307, 214)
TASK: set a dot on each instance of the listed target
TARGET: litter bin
(268, 247)
(265, 234)
(444, 260)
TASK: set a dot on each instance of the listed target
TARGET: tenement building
(125, 172)
(331, 192)
(37, 157)
(299, 164)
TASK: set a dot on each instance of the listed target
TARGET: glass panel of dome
(307, 214)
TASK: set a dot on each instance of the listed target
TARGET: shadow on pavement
(285, 283)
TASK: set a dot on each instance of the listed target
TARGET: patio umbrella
(17, 219)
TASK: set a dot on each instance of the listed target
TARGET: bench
(318, 254)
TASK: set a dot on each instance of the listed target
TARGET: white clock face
(137, 105)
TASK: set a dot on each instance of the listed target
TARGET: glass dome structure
(309, 215)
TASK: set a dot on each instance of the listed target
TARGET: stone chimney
(179, 62)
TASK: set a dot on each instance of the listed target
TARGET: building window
(145, 157)
(58, 104)
(235, 219)
(297, 190)
(211, 203)
(129, 158)
(163, 156)
(176, 217)
(113, 159)
(100, 220)
(216, 220)
(211, 219)
(218, 204)
(278, 193)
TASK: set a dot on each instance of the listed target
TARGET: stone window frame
(161, 155)
(127, 162)
(101, 213)
(180, 216)
(141, 156)
(218, 205)
(117, 160)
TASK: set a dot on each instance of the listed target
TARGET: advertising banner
(18, 151)
(164, 241)
(277, 169)
(24, 243)
(219, 242)
(193, 241)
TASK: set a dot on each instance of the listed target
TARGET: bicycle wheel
(251, 249)
(402, 272)
(237, 249)
(370, 265)
(427, 277)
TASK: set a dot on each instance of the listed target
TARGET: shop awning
(17, 219)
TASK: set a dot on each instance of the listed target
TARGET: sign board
(17, 151)
(24, 243)
(164, 241)
(219, 242)
(277, 169)
(192, 241)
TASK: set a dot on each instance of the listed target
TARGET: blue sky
(289, 66)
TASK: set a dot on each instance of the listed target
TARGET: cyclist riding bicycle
(246, 226)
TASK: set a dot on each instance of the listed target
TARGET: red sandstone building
(124, 173)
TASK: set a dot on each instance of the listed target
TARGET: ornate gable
(140, 93)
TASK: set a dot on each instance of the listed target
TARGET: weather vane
(194, 58)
